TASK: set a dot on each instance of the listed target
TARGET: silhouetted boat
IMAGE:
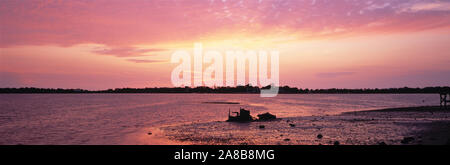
(244, 116)
(241, 116)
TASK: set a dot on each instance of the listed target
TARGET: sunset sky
(100, 44)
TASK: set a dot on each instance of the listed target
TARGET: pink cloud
(125, 23)
(333, 74)
(146, 61)
(121, 27)
(426, 6)
(126, 51)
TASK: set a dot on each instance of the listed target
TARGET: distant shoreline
(229, 90)
(223, 93)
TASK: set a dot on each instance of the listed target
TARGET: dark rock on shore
(390, 127)
(319, 136)
(266, 117)
(407, 140)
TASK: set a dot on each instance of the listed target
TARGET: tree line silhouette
(237, 89)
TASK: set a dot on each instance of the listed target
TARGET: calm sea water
(109, 118)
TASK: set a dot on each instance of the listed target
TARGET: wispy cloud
(138, 22)
(125, 51)
(146, 61)
(378, 6)
(425, 6)
(333, 74)
(8, 79)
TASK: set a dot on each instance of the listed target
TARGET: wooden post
(443, 100)
(440, 100)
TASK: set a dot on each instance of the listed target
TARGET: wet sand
(394, 126)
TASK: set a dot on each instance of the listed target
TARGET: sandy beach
(427, 125)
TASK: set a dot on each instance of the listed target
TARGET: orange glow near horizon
(111, 44)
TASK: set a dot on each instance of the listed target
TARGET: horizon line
(217, 87)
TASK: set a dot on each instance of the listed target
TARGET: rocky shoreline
(394, 126)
